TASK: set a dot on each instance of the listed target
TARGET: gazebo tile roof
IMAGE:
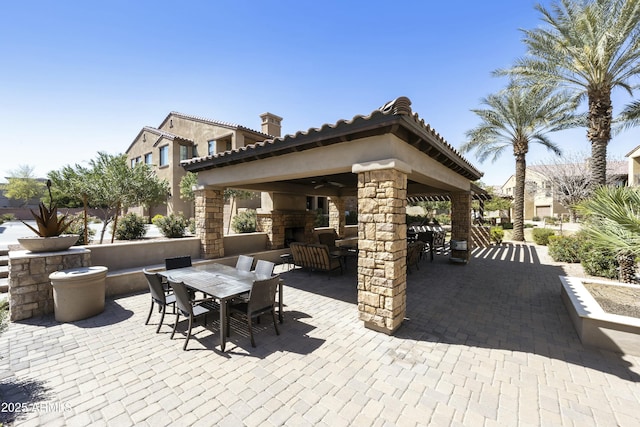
(380, 120)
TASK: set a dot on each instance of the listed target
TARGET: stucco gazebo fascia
(381, 158)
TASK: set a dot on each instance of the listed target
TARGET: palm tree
(613, 223)
(590, 47)
(514, 118)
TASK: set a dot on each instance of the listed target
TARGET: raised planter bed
(595, 327)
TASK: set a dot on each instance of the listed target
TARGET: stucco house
(634, 167)
(539, 198)
(181, 137)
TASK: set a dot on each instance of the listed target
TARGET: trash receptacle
(458, 245)
(78, 293)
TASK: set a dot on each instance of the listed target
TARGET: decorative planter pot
(78, 293)
(48, 244)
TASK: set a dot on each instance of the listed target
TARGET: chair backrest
(177, 262)
(183, 301)
(426, 237)
(296, 253)
(155, 287)
(328, 239)
(264, 268)
(263, 294)
(244, 263)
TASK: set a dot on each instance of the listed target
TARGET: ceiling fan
(323, 182)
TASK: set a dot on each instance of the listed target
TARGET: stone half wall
(30, 290)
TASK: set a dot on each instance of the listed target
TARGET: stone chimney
(271, 124)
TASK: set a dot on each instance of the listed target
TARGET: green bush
(4, 315)
(497, 234)
(541, 235)
(192, 225)
(565, 248)
(506, 225)
(598, 262)
(77, 227)
(131, 227)
(155, 218)
(535, 218)
(244, 222)
(321, 220)
(171, 226)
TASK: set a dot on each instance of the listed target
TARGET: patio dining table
(223, 283)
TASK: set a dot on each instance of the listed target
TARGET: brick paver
(489, 343)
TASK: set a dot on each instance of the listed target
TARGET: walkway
(486, 344)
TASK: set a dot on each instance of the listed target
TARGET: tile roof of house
(160, 134)
(397, 111)
(213, 122)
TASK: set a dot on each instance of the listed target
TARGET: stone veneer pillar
(461, 222)
(382, 244)
(337, 215)
(210, 222)
(30, 290)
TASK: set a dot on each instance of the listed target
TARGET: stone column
(461, 222)
(210, 222)
(382, 243)
(337, 218)
(30, 290)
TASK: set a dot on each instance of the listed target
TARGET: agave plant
(49, 224)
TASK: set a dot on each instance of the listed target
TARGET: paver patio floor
(489, 343)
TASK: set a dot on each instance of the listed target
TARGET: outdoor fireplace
(293, 234)
(284, 227)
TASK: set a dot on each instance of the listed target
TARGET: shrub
(7, 217)
(497, 234)
(598, 262)
(321, 220)
(4, 315)
(155, 218)
(77, 227)
(171, 226)
(535, 218)
(541, 235)
(244, 222)
(192, 225)
(506, 225)
(564, 248)
(131, 227)
(443, 219)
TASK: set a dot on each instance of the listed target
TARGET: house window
(211, 147)
(164, 155)
(148, 159)
(135, 161)
(228, 146)
(184, 152)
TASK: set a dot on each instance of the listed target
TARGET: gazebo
(382, 159)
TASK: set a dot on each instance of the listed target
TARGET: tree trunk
(627, 264)
(518, 202)
(85, 205)
(599, 133)
(115, 223)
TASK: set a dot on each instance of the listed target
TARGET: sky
(81, 77)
